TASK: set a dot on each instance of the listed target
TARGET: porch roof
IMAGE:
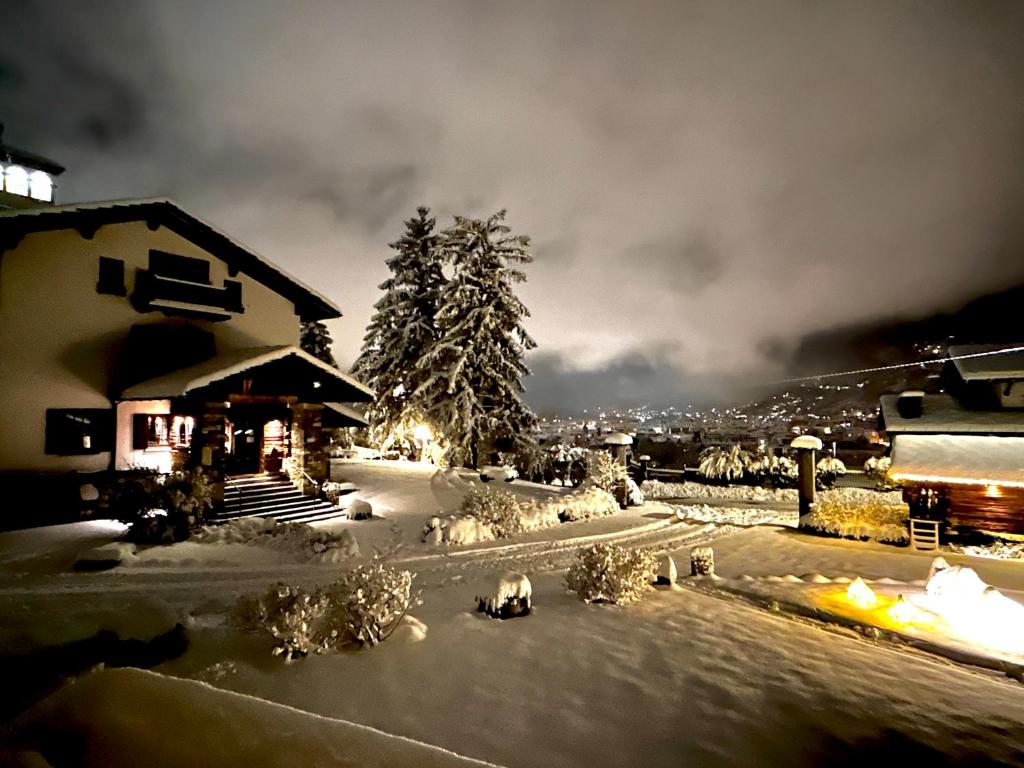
(959, 459)
(304, 373)
(341, 415)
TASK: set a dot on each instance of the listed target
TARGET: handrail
(314, 483)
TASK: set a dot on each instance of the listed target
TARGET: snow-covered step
(271, 496)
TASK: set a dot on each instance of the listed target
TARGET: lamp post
(806, 447)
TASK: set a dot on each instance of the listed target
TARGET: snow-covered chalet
(960, 454)
(135, 334)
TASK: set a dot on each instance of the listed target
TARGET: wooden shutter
(140, 431)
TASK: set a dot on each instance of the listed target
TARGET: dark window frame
(67, 430)
(178, 267)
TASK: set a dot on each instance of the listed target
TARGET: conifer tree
(471, 377)
(316, 339)
(402, 329)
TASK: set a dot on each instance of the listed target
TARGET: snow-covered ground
(681, 678)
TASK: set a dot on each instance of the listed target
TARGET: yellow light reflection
(860, 594)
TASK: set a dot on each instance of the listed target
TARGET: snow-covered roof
(185, 380)
(968, 459)
(159, 211)
(1005, 365)
(943, 413)
(618, 438)
(807, 442)
(348, 414)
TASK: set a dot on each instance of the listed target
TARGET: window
(41, 186)
(161, 430)
(111, 279)
(179, 267)
(79, 431)
(16, 180)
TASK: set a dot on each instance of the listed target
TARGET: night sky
(705, 183)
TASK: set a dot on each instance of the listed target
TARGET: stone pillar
(213, 449)
(806, 447)
(311, 447)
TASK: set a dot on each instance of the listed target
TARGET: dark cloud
(699, 177)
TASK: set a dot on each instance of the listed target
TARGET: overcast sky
(704, 183)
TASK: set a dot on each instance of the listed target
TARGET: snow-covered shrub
(292, 615)
(497, 509)
(510, 598)
(877, 469)
(533, 463)
(612, 574)
(161, 509)
(360, 509)
(367, 603)
(858, 518)
(332, 492)
(466, 530)
(724, 465)
(362, 608)
(828, 471)
(773, 471)
(702, 561)
(604, 472)
(583, 504)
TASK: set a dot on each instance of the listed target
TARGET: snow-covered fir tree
(471, 377)
(402, 329)
(316, 339)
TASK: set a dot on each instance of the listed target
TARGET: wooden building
(960, 454)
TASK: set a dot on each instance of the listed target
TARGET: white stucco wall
(59, 338)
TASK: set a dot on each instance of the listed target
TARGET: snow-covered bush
(858, 518)
(604, 472)
(828, 471)
(495, 508)
(161, 509)
(292, 615)
(368, 602)
(362, 608)
(773, 471)
(724, 465)
(583, 504)
(510, 598)
(876, 469)
(612, 574)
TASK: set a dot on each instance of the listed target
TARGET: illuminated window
(181, 431)
(40, 186)
(157, 429)
(16, 180)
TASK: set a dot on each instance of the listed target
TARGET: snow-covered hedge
(847, 517)
(160, 509)
(612, 574)
(500, 510)
(495, 514)
(581, 505)
(300, 540)
(362, 608)
(655, 489)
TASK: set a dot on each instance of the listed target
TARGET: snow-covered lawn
(680, 678)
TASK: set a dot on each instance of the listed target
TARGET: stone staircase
(272, 495)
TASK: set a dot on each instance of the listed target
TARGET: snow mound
(111, 555)
(583, 504)
(303, 542)
(703, 513)
(129, 717)
(449, 489)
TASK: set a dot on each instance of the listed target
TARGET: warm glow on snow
(860, 594)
